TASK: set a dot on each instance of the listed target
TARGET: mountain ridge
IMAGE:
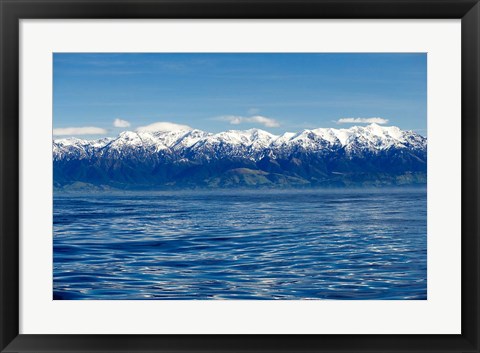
(370, 155)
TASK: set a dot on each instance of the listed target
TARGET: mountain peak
(128, 135)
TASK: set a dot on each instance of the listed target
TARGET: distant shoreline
(357, 188)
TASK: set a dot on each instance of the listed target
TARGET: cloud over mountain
(362, 121)
(163, 126)
(256, 119)
(121, 123)
(72, 131)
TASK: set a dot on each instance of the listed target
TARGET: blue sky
(96, 95)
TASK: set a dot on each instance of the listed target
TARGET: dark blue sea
(240, 244)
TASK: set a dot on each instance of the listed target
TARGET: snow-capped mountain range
(253, 143)
(251, 157)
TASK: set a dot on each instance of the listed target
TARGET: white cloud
(362, 120)
(163, 126)
(121, 123)
(256, 119)
(87, 130)
(253, 111)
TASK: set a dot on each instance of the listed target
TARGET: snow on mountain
(253, 143)
(188, 139)
(371, 137)
(308, 140)
(246, 138)
(75, 148)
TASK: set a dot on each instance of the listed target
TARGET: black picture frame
(11, 11)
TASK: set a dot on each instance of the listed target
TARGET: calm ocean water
(316, 244)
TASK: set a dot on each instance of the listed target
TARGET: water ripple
(340, 244)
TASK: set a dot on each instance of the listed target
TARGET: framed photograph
(239, 176)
